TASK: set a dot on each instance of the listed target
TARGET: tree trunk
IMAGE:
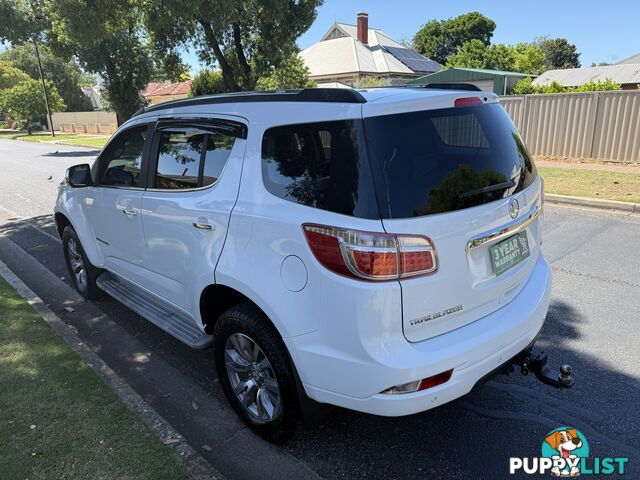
(227, 72)
(242, 59)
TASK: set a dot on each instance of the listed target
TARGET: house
(95, 96)
(626, 74)
(157, 92)
(498, 82)
(347, 53)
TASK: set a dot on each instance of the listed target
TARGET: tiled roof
(158, 89)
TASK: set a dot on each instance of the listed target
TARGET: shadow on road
(77, 153)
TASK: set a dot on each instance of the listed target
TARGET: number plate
(509, 252)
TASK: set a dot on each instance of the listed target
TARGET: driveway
(592, 325)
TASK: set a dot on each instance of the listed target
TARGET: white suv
(377, 249)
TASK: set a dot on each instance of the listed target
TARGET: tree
(292, 73)
(109, 40)
(23, 102)
(65, 74)
(528, 58)
(206, 82)
(10, 75)
(19, 22)
(370, 81)
(475, 54)
(439, 39)
(559, 53)
(245, 40)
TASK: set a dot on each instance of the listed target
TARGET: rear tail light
(467, 101)
(418, 385)
(369, 255)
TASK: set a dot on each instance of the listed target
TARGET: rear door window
(320, 165)
(191, 158)
(437, 161)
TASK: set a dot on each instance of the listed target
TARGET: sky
(603, 31)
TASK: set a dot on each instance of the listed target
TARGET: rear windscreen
(437, 161)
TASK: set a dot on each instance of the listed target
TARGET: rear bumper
(473, 351)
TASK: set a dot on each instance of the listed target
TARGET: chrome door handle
(129, 212)
(203, 226)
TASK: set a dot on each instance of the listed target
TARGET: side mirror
(79, 176)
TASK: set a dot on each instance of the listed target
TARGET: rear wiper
(490, 188)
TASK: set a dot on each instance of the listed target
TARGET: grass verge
(97, 141)
(624, 187)
(57, 418)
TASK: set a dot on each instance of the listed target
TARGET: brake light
(370, 255)
(467, 101)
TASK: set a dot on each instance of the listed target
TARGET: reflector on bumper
(419, 385)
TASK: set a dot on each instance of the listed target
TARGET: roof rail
(336, 95)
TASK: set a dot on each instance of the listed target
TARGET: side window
(218, 150)
(121, 162)
(191, 159)
(315, 164)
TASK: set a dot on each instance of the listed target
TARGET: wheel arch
(217, 298)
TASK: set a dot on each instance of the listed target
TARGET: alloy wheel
(78, 268)
(252, 378)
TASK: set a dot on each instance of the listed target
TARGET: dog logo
(565, 454)
(514, 208)
(566, 447)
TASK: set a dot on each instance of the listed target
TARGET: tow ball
(538, 363)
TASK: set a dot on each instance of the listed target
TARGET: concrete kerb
(628, 207)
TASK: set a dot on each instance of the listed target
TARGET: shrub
(207, 82)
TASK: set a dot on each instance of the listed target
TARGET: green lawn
(624, 187)
(57, 418)
(97, 141)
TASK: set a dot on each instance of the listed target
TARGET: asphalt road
(592, 324)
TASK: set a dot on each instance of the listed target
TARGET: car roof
(327, 103)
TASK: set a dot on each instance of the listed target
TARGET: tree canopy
(23, 102)
(113, 46)
(559, 53)
(439, 39)
(523, 57)
(245, 40)
(206, 82)
(292, 73)
(10, 75)
(64, 74)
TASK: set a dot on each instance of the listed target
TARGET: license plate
(509, 252)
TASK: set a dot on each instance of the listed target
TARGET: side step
(172, 321)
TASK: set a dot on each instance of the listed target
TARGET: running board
(171, 320)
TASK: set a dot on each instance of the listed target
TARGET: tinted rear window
(437, 161)
(320, 165)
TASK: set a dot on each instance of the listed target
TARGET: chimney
(363, 27)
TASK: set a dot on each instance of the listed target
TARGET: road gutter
(197, 467)
(628, 207)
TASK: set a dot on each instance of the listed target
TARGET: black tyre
(256, 373)
(82, 273)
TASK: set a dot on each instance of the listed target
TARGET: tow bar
(538, 363)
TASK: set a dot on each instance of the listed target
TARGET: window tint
(179, 160)
(121, 162)
(217, 152)
(319, 165)
(442, 160)
(181, 155)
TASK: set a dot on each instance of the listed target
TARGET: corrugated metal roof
(572, 77)
(632, 59)
(462, 74)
